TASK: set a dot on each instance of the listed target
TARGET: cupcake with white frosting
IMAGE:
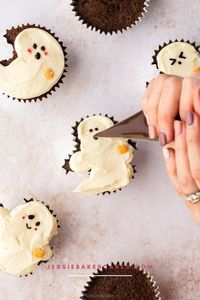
(178, 58)
(107, 160)
(25, 233)
(38, 64)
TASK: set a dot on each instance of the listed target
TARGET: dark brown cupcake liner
(58, 226)
(134, 21)
(10, 36)
(107, 270)
(160, 47)
(77, 142)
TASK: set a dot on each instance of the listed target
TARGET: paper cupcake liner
(154, 57)
(134, 21)
(76, 140)
(10, 36)
(106, 270)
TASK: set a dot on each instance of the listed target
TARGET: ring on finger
(194, 197)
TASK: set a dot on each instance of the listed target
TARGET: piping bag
(135, 127)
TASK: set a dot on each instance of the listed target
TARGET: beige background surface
(146, 223)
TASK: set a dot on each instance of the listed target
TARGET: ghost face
(178, 59)
(38, 67)
(89, 127)
(33, 219)
(36, 44)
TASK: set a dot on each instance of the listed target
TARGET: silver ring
(194, 197)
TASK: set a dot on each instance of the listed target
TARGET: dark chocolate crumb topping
(109, 15)
(134, 285)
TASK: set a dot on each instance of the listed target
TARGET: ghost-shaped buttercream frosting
(178, 58)
(25, 233)
(37, 67)
(108, 160)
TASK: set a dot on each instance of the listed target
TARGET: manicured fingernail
(189, 118)
(178, 127)
(166, 153)
(152, 132)
(162, 139)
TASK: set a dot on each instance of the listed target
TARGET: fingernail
(162, 139)
(152, 132)
(166, 153)
(178, 127)
(189, 118)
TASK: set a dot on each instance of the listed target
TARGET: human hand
(182, 160)
(165, 96)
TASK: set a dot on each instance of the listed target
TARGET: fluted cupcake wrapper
(118, 266)
(133, 22)
(76, 140)
(160, 47)
(11, 35)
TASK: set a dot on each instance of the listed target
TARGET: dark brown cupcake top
(109, 15)
(127, 283)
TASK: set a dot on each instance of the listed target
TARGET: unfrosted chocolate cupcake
(121, 282)
(38, 64)
(110, 16)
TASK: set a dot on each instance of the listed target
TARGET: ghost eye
(97, 129)
(37, 224)
(43, 48)
(90, 130)
(34, 46)
(31, 217)
(173, 61)
(182, 55)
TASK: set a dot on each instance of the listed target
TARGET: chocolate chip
(43, 48)
(37, 55)
(37, 223)
(90, 130)
(34, 46)
(97, 129)
(31, 217)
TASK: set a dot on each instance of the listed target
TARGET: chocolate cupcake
(110, 16)
(178, 58)
(25, 234)
(108, 161)
(38, 64)
(121, 282)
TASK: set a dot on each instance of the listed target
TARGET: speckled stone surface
(146, 223)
